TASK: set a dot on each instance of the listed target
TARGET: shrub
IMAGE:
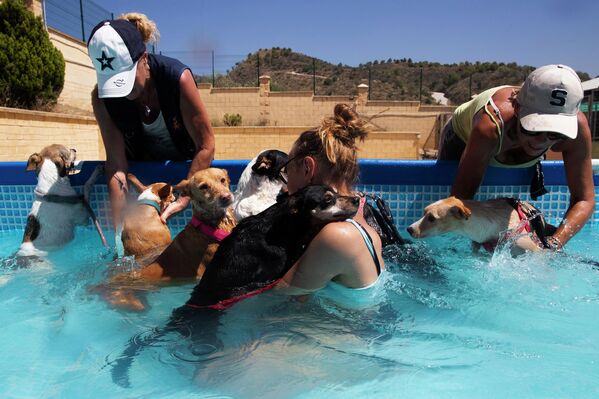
(31, 68)
(232, 120)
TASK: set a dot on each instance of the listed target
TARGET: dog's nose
(410, 230)
(226, 199)
(355, 200)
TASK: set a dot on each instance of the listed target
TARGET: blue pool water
(450, 324)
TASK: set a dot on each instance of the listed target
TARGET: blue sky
(351, 32)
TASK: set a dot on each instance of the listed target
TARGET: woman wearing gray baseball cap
(147, 106)
(514, 127)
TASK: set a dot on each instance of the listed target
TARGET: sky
(528, 32)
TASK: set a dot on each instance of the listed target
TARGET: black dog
(257, 254)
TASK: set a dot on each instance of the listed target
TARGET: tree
(31, 68)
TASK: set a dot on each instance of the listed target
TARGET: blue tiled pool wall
(406, 202)
(406, 199)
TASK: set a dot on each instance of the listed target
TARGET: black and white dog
(253, 258)
(259, 184)
(57, 207)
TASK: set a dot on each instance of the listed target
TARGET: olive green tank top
(461, 122)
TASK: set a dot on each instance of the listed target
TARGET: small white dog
(57, 207)
(259, 184)
(485, 222)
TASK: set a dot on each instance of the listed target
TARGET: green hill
(391, 79)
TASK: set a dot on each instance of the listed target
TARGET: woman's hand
(174, 207)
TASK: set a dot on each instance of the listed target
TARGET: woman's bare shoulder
(337, 235)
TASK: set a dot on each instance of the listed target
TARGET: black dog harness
(535, 223)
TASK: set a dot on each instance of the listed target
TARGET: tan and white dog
(483, 222)
(57, 207)
(144, 236)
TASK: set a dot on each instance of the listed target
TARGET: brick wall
(80, 75)
(24, 132)
(246, 142)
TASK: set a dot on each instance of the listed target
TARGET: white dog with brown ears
(485, 223)
(57, 207)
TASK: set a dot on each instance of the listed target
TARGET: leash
(227, 303)
(75, 199)
(214, 232)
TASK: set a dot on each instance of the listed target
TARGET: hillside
(391, 79)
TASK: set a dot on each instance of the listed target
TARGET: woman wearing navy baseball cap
(514, 127)
(147, 106)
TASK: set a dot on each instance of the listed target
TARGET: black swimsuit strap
(375, 258)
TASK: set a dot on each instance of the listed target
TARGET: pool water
(445, 323)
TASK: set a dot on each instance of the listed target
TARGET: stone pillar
(264, 85)
(264, 92)
(362, 94)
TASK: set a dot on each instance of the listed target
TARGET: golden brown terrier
(193, 248)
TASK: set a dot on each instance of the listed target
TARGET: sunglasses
(550, 135)
(283, 169)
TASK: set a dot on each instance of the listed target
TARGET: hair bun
(144, 25)
(353, 127)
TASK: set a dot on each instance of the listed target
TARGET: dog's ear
(65, 160)
(165, 191)
(139, 186)
(182, 188)
(33, 162)
(460, 212)
(295, 203)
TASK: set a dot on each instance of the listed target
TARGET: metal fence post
(44, 15)
(258, 66)
(313, 76)
(470, 87)
(82, 26)
(212, 68)
(369, 81)
(420, 87)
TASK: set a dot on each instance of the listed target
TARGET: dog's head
(269, 163)
(209, 191)
(61, 156)
(159, 192)
(440, 217)
(321, 204)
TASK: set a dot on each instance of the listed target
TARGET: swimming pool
(445, 323)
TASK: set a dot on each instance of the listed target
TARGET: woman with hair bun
(346, 254)
(147, 106)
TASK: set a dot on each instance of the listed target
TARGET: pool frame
(407, 186)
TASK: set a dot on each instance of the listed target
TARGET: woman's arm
(577, 156)
(116, 160)
(199, 128)
(479, 150)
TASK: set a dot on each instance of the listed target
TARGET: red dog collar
(216, 233)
